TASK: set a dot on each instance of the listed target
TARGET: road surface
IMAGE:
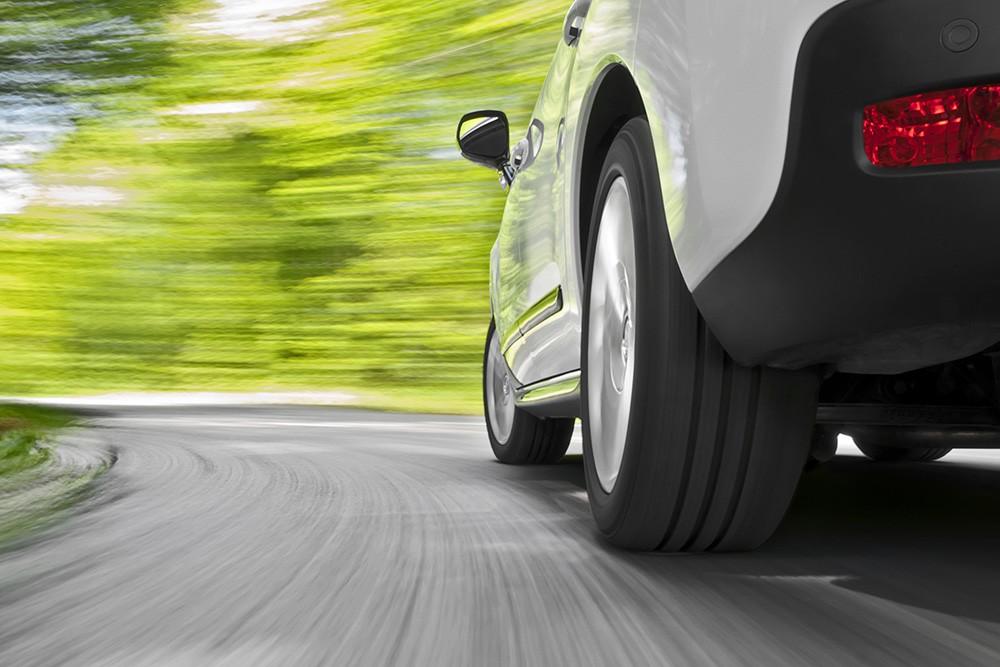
(298, 536)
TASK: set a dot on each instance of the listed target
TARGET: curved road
(298, 536)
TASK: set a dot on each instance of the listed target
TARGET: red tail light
(958, 125)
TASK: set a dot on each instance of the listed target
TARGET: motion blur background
(247, 195)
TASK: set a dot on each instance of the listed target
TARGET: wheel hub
(499, 393)
(610, 350)
(625, 336)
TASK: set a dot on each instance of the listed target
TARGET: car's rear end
(878, 258)
(880, 251)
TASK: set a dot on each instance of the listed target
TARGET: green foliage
(33, 417)
(19, 452)
(22, 431)
(35, 484)
(321, 231)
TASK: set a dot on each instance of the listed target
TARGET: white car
(734, 230)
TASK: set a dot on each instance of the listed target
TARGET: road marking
(433, 427)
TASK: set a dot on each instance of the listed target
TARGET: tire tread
(723, 445)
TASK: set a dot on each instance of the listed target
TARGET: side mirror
(484, 138)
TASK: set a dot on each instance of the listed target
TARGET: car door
(538, 339)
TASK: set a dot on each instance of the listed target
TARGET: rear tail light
(958, 125)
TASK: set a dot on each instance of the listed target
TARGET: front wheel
(684, 449)
(517, 436)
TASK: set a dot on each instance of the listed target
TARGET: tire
(684, 449)
(517, 436)
(883, 454)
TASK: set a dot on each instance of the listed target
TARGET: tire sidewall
(631, 157)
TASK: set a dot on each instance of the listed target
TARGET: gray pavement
(317, 536)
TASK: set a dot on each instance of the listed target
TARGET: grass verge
(36, 480)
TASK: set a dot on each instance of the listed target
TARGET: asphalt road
(296, 536)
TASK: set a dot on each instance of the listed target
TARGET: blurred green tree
(251, 195)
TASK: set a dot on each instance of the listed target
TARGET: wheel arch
(613, 101)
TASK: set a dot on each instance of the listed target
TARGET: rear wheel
(516, 435)
(883, 454)
(684, 449)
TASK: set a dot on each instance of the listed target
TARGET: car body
(800, 253)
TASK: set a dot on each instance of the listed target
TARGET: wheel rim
(611, 338)
(499, 393)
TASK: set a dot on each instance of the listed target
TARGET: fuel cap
(960, 35)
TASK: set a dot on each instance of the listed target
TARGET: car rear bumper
(870, 270)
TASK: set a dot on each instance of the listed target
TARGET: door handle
(560, 135)
(575, 19)
(527, 149)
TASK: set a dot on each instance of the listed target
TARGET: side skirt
(555, 397)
